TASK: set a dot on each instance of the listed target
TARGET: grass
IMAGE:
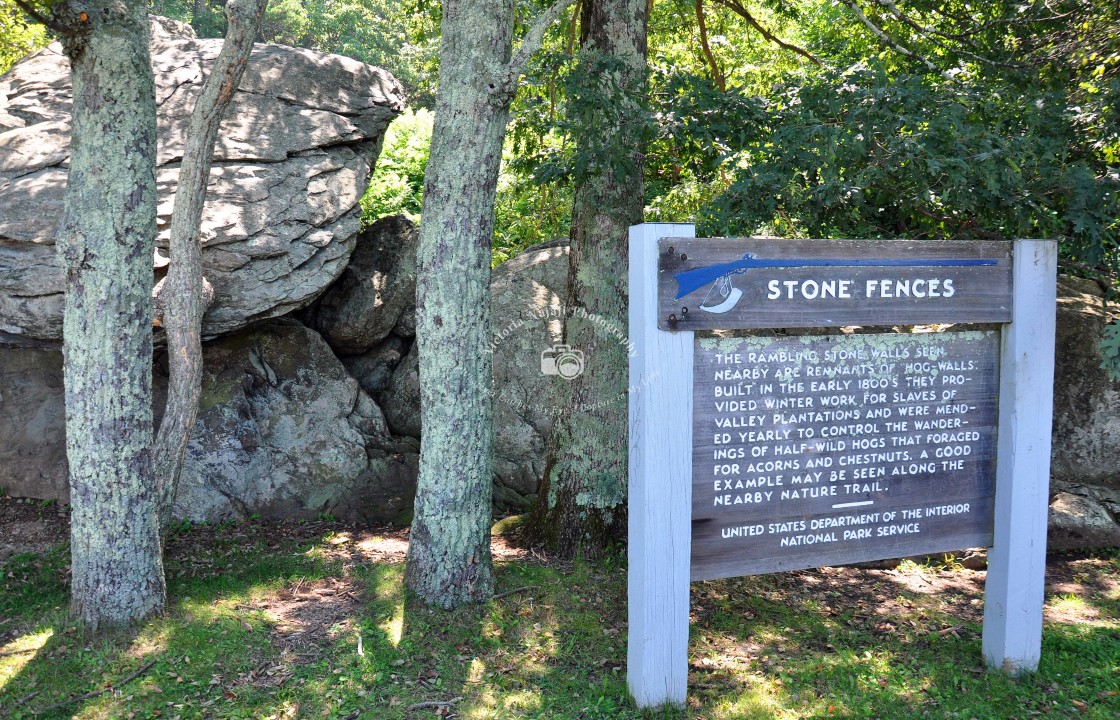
(313, 621)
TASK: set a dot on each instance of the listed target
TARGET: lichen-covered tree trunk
(449, 550)
(106, 242)
(581, 505)
(183, 296)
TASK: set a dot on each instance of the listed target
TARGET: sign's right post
(1017, 560)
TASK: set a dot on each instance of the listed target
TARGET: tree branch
(717, 74)
(738, 9)
(184, 294)
(531, 43)
(39, 17)
(891, 42)
(929, 33)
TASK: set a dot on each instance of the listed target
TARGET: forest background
(799, 118)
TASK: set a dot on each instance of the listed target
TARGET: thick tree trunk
(581, 505)
(106, 242)
(449, 551)
(183, 296)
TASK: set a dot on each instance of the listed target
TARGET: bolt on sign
(778, 452)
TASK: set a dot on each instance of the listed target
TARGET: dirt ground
(28, 525)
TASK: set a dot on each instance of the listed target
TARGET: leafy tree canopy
(20, 34)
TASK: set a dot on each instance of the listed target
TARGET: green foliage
(701, 132)
(604, 114)
(21, 35)
(401, 37)
(862, 153)
(397, 183)
(528, 213)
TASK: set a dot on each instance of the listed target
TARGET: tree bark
(184, 294)
(581, 505)
(449, 551)
(106, 243)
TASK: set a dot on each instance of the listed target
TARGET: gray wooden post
(660, 503)
(1017, 560)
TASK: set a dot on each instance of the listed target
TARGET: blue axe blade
(692, 280)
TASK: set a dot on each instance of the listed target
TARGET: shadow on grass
(880, 650)
(268, 627)
(214, 649)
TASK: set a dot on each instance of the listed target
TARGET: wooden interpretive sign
(834, 449)
(733, 283)
(760, 454)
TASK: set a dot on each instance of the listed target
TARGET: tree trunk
(449, 550)
(581, 505)
(183, 296)
(106, 242)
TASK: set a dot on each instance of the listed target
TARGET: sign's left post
(660, 484)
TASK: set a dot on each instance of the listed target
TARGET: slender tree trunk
(183, 296)
(106, 241)
(449, 551)
(581, 505)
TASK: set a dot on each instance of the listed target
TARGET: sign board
(724, 283)
(834, 449)
(737, 445)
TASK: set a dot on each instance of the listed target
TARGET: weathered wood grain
(1013, 591)
(660, 491)
(792, 435)
(878, 291)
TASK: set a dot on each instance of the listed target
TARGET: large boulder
(376, 289)
(292, 160)
(32, 424)
(401, 396)
(284, 431)
(527, 296)
(1086, 438)
(1083, 516)
(1085, 462)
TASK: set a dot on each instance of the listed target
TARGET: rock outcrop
(376, 289)
(284, 431)
(1085, 463)
(401, 396)
(282, 213)
(1083, 516)
(1086, 435)
(527, 295)
(32, 424)
(291, 427)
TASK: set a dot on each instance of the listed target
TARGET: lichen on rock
(292, 160)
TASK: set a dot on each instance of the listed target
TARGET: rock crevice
(292, 161)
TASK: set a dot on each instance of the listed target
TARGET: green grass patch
(316, 623)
